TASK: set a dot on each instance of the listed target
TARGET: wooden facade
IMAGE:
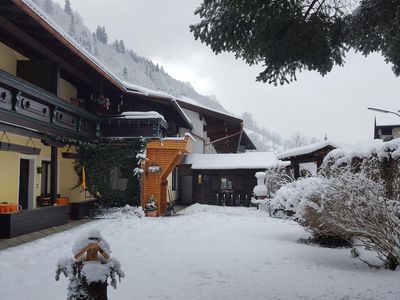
(317, 156)
(50, 96)
(164, 154)
(222, 187)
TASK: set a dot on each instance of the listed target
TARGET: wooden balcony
(24, 104)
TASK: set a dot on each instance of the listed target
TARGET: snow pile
(247, 160)
(203, 209)
(203, 256)
(306, 149)
(126, 212)
(376, 148)
(93, 236)
(95, 272)
(133, 115)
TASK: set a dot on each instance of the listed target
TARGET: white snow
(142, 115)
(88, 238)
(306, 149)
(376, 147)
(205, 252)
(247, 160)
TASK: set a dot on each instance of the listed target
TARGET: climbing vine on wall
(101, 160)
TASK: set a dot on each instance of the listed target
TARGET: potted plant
(151, 207)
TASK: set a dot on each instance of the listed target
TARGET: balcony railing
(24, 104)
(27, 105)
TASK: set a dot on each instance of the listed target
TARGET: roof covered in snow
(306, 149)
(383, 119)
(247, 160)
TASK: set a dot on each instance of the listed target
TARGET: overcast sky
(335, 105)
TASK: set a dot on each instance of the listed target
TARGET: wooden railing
(24, 104)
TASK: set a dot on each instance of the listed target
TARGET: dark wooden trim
(28, 221)
(21, 131)
(21, 120)
(71, 155)
(54, 173)
(79, 210)
(19, 148)
(43, 95)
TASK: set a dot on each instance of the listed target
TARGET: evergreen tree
(101, 34)
(122, 46)
(115, 45)
(68, 8)
(288, 36)
(125, 73)
(72, 26)
(48, 7)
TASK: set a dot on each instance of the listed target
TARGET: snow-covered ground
(205, 252)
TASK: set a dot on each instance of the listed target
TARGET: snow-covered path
(205, 253)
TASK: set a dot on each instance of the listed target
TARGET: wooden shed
(308, 157)
(222, 179)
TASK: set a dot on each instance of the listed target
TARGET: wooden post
(296, 169)
(53, 174)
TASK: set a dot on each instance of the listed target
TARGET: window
(119, 178)
(45, 177)
(226, 183)
(174, 182)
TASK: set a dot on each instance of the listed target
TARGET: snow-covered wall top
(376, 147)
(248, 160)
(306, 149)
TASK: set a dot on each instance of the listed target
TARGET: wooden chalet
(307, 158)
(386, 127)
(211, 131)
(53, 91)
(222, 179)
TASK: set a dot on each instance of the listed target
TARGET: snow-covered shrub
(276, 178)
(345, 205)
(380, 160)
(291, 196)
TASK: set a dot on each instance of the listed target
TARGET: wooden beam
(25, 38)
(53, 174)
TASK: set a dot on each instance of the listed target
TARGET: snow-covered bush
(380, 160)
(291, 196)
(276, 178)
(345, 205)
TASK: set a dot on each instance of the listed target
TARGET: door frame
(32, 179)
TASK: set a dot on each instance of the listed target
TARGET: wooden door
(186, 187)
(24, 183)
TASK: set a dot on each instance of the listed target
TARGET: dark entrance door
(186, 189)
(24, 183)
